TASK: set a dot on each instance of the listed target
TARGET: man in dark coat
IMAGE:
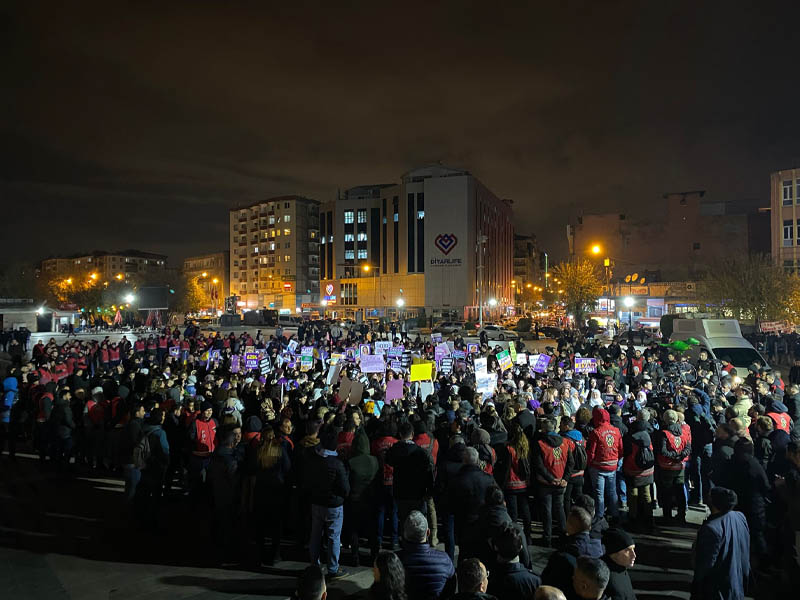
(752, 489)
(510, 580)
(578, 542)
(620, 556)
(722, 551)
(360, 506)
(413, 472)
(429, 572)
(466, 493)
(473, 580)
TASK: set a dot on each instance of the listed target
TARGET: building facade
(212, 272)
(123, 265)
(274, 254)
(401, 249)
(785, 218)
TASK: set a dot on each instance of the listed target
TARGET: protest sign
(486, 384)
(512, 351)
(585, 365)
(344, 388)
(264, 365)
(436, 338)
(394, 389)
(480, 365)
(459, 354)
(235, 363)
(333, 374)
(539, 362)
(446, 365)
(363, 350)
(307, 351)
(382, 347)
(372, 363)
(335, 358)
(504, 360)
(395, 352)
(292, 346)
(214, 355)
(396, 365)
(422, 371)
(440, 352)
(356, 392)
(306, 363)
(175, 351)
(425, 389)
(473, 348)
(405, 359)
(522, 358)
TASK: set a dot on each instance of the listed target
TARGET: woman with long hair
(518, 469)
(390, 578)
(270, 465)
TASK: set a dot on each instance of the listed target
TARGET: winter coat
(512, 581)
(466, 494)
(413, 470)
(159, 446)
(10, 396)
(749, 481)
(223, 478)
(619, 582)
(429, 572)
(722, 558)
(633, 442)
(604, 444)
(363, 469)
(325, 479)
(61, 422)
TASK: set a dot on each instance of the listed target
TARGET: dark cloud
(132, 124)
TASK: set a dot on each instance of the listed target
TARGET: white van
(721, 337)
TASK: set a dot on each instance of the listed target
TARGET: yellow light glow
(93, 276)
(547, 274)
(529, 285)
(596, 249)
(68, 280)
(215, 280)
(119, 276)
(366, 268)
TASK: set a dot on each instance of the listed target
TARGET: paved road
(67, 537)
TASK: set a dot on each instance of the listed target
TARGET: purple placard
(585, 365)
(473, 348)
(396, 365)
(440, 352)
(175, 351)
(251, 360)
(235, 363)
(372, 363)
(395, 352)
(394, 389)
(539, 362)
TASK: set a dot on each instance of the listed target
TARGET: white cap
(97, 390)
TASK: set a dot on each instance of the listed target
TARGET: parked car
(550, 332)
(449, 327)
(495, 332)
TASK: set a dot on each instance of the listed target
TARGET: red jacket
(378, 449)
(204, 434)
(604, 446)
(423, 440)
(782, 421)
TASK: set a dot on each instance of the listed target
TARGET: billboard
(153, 297)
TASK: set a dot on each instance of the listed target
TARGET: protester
(620, 556)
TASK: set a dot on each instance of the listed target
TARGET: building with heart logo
(403, 248)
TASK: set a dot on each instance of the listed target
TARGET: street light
(93, 276)
(400, 303)
(492, 302)
(119, 276)
(596, 249)
(129, 298)
(204, 274)
(629, 302)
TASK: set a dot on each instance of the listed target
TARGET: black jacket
(429, 572)
(466, 493)
(619, 582)
(413, 470)
(512, 581)
(540, 472)
(326, 480)
(363, 469)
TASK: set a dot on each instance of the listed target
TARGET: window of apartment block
(362, 215)
(287, 258)
(348, 237)
(788, 231)
(787, 193)
(362, 237)
(287, 218)
(349, 254)
(362, 253)
(348, 216)
(286, 205)
(287, 232)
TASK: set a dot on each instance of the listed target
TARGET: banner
(585, 365)
(372, 363)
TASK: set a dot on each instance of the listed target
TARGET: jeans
(604, 488)
(131, 475)
(622, 490)
(387, 504)
(328, 520)
(699, 468)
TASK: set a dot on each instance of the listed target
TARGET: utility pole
(545, 270)
(482, 239)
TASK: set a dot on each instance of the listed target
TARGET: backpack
(579, 456)
(142, 453)
(645, 459)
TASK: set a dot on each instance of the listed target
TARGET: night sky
(137, 125)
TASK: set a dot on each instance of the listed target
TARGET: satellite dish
(642, 280)
(634, 277)
(627, 278)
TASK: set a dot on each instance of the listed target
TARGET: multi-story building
(404, 248)
(680, 239)
(785, 218)
(526, 263)
(105, 266)
(274, 254)
(212, 272)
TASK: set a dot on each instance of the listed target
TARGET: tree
(749, 287)
(189, 296)
(581, 283)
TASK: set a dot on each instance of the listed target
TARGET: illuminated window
(362, 237)
(287, 258)
(287, 232)
(349, 254)
(348, 216)
(348, 237)
(287, 218)
(362, 215)
(362, 253)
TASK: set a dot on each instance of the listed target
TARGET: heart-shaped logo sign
(329, 289)
(445, 242)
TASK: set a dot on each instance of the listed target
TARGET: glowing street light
(129, 298)
(204, 274)
(492, 302)
(68, 281)
(366, 268)
(628, 301)
(120, 276)
(596, 249)
(400, 302)
(215, 281)
(93, 276)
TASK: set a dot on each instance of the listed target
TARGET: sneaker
(342, 572)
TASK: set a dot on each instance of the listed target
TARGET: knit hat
(723, 499)
(206, 405)
(615, 539)
(97, 390)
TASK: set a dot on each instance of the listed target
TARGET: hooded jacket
(633, 442)
(553, 459)
(604, 445)
(670, 448)
(363, 469)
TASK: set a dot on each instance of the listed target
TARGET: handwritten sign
(504, 359)
(372, 363)
(539, 362)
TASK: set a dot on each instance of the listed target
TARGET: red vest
(554, 459)
(60, 371)
(139, 346)
(782, 421)
(676, 443)
(206, 440)
(514, 481)
(571, 445)
(686, 436)
(630, 466)
(113, 354)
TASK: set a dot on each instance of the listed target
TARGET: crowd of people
(284, 440)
